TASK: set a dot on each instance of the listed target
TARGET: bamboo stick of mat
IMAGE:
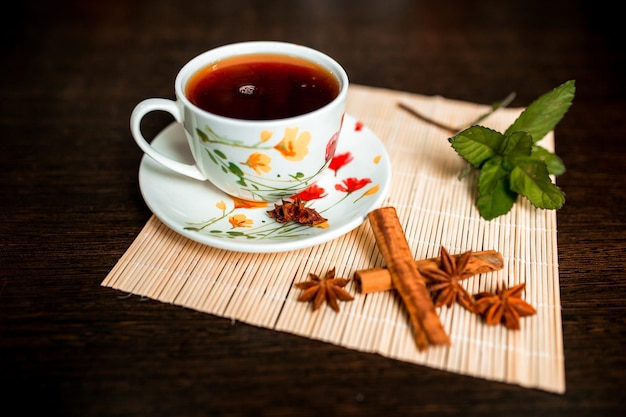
(379, 279)
(410, 284)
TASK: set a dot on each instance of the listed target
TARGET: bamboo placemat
(435, 208)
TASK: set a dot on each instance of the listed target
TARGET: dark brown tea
(262, 87)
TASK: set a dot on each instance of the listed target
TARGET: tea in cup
(262, 119)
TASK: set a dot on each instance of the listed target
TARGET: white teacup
(258, 151)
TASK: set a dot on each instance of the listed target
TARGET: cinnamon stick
(410, 284)
(379, 279)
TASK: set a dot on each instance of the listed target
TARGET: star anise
(329, 289)
(505, 306)
(444, 282)
(295, 211)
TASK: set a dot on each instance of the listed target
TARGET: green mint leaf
(477, 144)
(545, 113)
(512, 163)
(554, 164)
(490, 174)
(517, 144)
(498, 202)
(530, 178)
(495, 196)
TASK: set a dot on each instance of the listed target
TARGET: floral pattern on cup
(234, 219)
(253, 174)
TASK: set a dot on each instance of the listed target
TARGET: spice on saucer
(295, 211)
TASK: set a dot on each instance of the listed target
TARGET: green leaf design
(212, 157)
(530, 178)
(541, 116)
(477, 144)
(203, 136)
(232, 167)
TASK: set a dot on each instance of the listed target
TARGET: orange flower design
(259, 162)
(240, 220)
(294, 146)
(247, 204)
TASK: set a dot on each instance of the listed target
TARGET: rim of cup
(260, 47)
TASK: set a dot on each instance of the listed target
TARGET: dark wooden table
(70, 204)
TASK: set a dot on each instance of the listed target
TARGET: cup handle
(160, 104)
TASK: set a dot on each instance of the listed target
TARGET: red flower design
(340, 161)
(352, 184)
(313, 192)
(358, 126)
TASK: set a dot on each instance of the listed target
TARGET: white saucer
(201, 212)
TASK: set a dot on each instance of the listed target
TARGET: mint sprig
(511, 163)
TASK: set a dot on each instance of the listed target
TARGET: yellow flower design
(221, 205)
(294, 147)
(259, 162)
(372, 190)
(266, 135)
(377, 158)
(240, 220)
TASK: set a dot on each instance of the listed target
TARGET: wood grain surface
(72, 71)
